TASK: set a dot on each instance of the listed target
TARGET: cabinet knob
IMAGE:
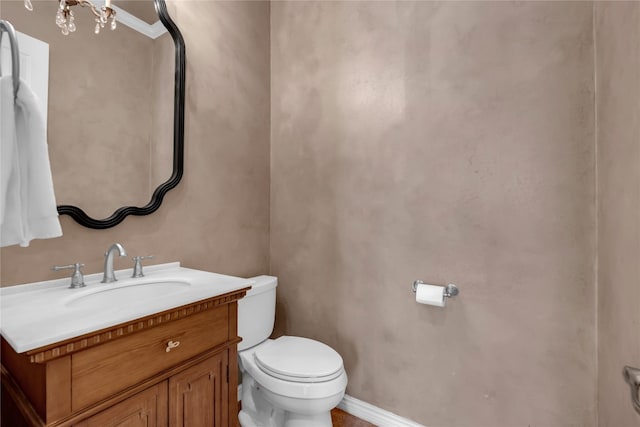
(171, 344)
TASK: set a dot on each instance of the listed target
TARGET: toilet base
(288, 419)
(299, 420)
(259, 411)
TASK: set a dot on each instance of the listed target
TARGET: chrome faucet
(109, 275)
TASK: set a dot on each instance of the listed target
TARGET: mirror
(115, 107)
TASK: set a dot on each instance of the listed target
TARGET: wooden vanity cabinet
(192, 391)
(145, 409)
(175, 368)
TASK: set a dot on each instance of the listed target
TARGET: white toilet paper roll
(431, 295)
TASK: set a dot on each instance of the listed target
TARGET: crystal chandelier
(65, 20)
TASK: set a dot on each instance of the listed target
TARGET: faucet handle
(137, 267)
(77, 279)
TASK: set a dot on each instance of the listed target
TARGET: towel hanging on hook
(6, 27)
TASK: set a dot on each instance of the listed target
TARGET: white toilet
(289, 381)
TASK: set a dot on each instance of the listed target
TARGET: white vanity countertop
(42, 313)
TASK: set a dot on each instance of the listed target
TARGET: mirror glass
(110, 111)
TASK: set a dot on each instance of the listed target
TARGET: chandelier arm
(92, 7)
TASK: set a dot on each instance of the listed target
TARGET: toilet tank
(257, 312)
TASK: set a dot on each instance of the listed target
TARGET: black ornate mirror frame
(178, 141)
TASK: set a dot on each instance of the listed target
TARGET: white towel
(7, 141)
(28, 209)
(10, 204)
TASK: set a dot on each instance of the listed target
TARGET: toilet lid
(299, 359)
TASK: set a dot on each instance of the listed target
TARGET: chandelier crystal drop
(103, 17)
(65, 19)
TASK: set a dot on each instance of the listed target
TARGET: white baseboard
(373, 414)
(367, 412)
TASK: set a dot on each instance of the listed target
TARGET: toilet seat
(289, 388)
(299, 359)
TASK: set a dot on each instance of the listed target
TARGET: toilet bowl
(289, 381)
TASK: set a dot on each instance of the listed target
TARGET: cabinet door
(198, 396)
(145, 409)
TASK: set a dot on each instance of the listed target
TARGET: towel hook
(6, 27)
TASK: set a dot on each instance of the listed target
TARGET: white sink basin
(127, 293)
(38, 314)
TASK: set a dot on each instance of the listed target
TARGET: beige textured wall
(451, 142)
(618, 107)
(142, 9)
(217, 219)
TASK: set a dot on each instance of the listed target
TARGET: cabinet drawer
(102, 371)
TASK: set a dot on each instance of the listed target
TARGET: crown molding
(153, 31)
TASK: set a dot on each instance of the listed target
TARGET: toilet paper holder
(450, 290)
